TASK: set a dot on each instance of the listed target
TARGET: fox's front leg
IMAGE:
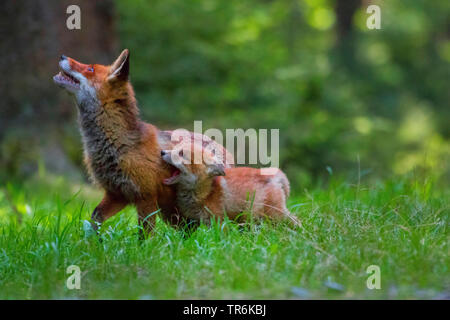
(147, 210)
(109, 206)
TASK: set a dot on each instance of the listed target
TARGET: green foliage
(378, 94)
(400, 225)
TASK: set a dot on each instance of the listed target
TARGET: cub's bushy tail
(285, 186)
(281, 177)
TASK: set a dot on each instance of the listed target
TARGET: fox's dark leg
(188, 226)
(109, 206)
(147, 211)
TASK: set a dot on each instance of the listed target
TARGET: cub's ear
(121, 67)
(216, 170)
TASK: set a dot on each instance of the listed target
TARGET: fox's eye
(90, 69)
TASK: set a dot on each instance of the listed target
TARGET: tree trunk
(35, 115)
(345, 11)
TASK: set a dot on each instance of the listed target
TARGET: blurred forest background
(348, 101)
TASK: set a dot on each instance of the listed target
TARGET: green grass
(400, 225)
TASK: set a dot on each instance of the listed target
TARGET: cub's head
(193, 165)
(95, 81)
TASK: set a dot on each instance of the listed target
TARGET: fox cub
(205, 189)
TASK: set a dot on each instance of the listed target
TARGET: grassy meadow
(335, 91)
(401, 225)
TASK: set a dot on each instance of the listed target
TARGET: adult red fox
(122, 153)
(206, 189)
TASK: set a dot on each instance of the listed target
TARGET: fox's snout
(166, 156)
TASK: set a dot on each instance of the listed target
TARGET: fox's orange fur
(208, 190)
(122, 153)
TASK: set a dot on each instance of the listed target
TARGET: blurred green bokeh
(380, 95)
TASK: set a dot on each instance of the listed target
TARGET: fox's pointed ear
(121, 67)
(216, 170)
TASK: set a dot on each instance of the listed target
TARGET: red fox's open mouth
(66, 80)
(174, 177)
